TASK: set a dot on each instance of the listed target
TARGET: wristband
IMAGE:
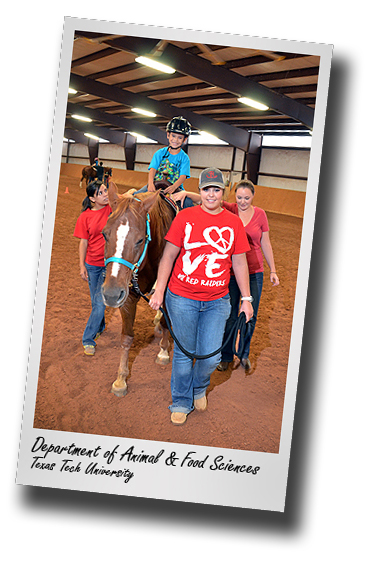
(249, 298)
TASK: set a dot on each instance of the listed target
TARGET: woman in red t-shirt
(256, 227)
(203, 244)
(257, 230)
(90, 223)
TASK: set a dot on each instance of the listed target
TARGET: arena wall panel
(274, 200)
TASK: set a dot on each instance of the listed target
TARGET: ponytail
(86, 204)
(91, 190)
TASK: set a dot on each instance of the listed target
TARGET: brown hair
(246, 184)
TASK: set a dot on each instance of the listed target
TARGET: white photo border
(161, 477)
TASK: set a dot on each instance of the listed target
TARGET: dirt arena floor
(244, 410)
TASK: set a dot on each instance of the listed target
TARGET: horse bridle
(134, 267)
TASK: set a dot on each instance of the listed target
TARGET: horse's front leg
(128, 311)
(161, 327)
(119, 387)
(163, 355)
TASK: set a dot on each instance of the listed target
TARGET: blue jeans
(187, 200)
(199, 327)
(96, 321)
(255, 282)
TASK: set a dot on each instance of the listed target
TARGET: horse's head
(126, 237)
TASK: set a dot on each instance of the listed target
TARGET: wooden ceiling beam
(290, 74)
(124, 124)
(257, 59)
(114, 71)
(234, 136)
(93, 57)
(150, 79)
(113, 136)
(217, 75)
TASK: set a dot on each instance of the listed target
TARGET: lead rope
(240, 327)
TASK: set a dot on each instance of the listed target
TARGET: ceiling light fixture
(79, 117)
(205, 138)
(141, 138)
(252, 103)
(208, 135)
(145, 112)
(95, 137)
(155, 64)
(72, 91)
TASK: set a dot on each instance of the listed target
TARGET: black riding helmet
(179, 125)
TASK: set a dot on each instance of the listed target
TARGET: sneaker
(223, 366)
(200, 404)
(89, 349)
(98, 334)
(178, 418)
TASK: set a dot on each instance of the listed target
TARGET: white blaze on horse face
(122, 233)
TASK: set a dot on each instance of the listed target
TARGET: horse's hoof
(162, 360)
(119, 392)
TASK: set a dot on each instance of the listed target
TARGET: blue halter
(134, 267)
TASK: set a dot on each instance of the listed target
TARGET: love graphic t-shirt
(207, 242)
(89, 225)
(254, 229)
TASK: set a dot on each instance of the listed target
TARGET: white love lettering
(187, 233)
(223, 239)
(188, 266)
(220, 239)
(212, 264)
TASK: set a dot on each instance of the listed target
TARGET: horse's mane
(126, 202)
(161, 214)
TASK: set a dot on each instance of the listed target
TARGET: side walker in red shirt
(256, 228)
(203, 243)
(90, 223)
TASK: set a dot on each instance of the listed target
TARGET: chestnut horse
(134, 243)
(90, 172)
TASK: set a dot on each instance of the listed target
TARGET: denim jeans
(96, 321)
(199, 327)
(255, 281)
(187, 200)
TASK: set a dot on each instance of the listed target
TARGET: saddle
(161, 185)
(170, 201)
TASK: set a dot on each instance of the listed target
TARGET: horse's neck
(160, 223)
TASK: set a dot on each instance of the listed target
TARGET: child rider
(171, 162)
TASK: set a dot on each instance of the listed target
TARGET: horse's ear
(150, 202)
(113, 195)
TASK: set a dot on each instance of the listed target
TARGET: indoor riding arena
(244, 409)
(238, 103)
